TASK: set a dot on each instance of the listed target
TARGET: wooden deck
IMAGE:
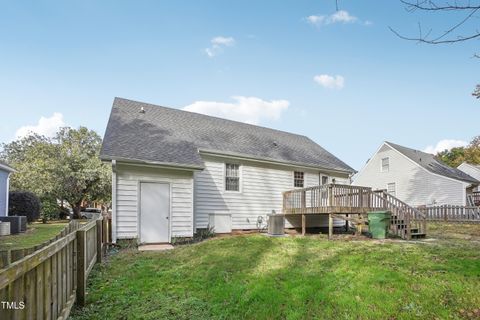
(343, 201)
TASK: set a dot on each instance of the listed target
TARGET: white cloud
(245, 109)
(218, 45)
(330, 82)
(46, 126)
(443, 145)
(340, 16)
(226, 41)
(315, 20)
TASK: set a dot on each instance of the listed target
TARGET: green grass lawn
(257, 277)
(36, 234)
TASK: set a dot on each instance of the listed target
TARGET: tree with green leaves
(31, 158)
(80, 173)
(455, 156)
(64, 168)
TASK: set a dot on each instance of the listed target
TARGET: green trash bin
(378, 223)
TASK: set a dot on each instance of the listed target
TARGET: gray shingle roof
(432, 164)
(172, 136)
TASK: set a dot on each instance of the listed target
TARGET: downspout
(114, 201)
(7, 195)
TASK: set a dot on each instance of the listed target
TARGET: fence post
(81, 274)
(105, 239)
(99, 240)
(5, 258)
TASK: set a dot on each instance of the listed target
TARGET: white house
(5, 172)
(175, 171)
(415, 177)
(472, 170)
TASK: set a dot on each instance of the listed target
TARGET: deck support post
(303, 224)
(330, 226)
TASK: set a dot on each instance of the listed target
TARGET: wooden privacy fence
(452, 213)
(45, 281)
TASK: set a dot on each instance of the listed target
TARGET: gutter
(270, 161)
(166, 165)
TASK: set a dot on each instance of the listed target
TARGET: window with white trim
(298, 179)
(385, 164)
(232, 177)
(324, 180)
(391, 189)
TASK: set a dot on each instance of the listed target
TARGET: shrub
(200, 235)
(203, 234)
(50, 209)
(24, 203)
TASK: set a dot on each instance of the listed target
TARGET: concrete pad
(155, 247)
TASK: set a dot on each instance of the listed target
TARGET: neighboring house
(415, 177)
(472, 170)
(5, 172)
(176, 171)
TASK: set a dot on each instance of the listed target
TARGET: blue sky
(343, 79)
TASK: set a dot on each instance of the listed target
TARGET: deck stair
(407, 222)
(352, 203)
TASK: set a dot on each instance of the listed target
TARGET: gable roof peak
(431, 163)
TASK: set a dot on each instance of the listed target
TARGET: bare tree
(467, 9)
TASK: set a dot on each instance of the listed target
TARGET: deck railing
(344, 199)
(405, 218)
(322, 199)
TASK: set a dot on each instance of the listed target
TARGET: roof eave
(152, 163)
(273, 161)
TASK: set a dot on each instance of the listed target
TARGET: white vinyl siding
(262, 187)
(127, 182)
(4, 192)
(414, 184)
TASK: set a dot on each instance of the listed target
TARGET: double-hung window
(232, 177)
(391, 189)
(298, 179)
(385, 164)
(324, 180)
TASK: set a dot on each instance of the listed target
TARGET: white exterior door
(154, 212)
